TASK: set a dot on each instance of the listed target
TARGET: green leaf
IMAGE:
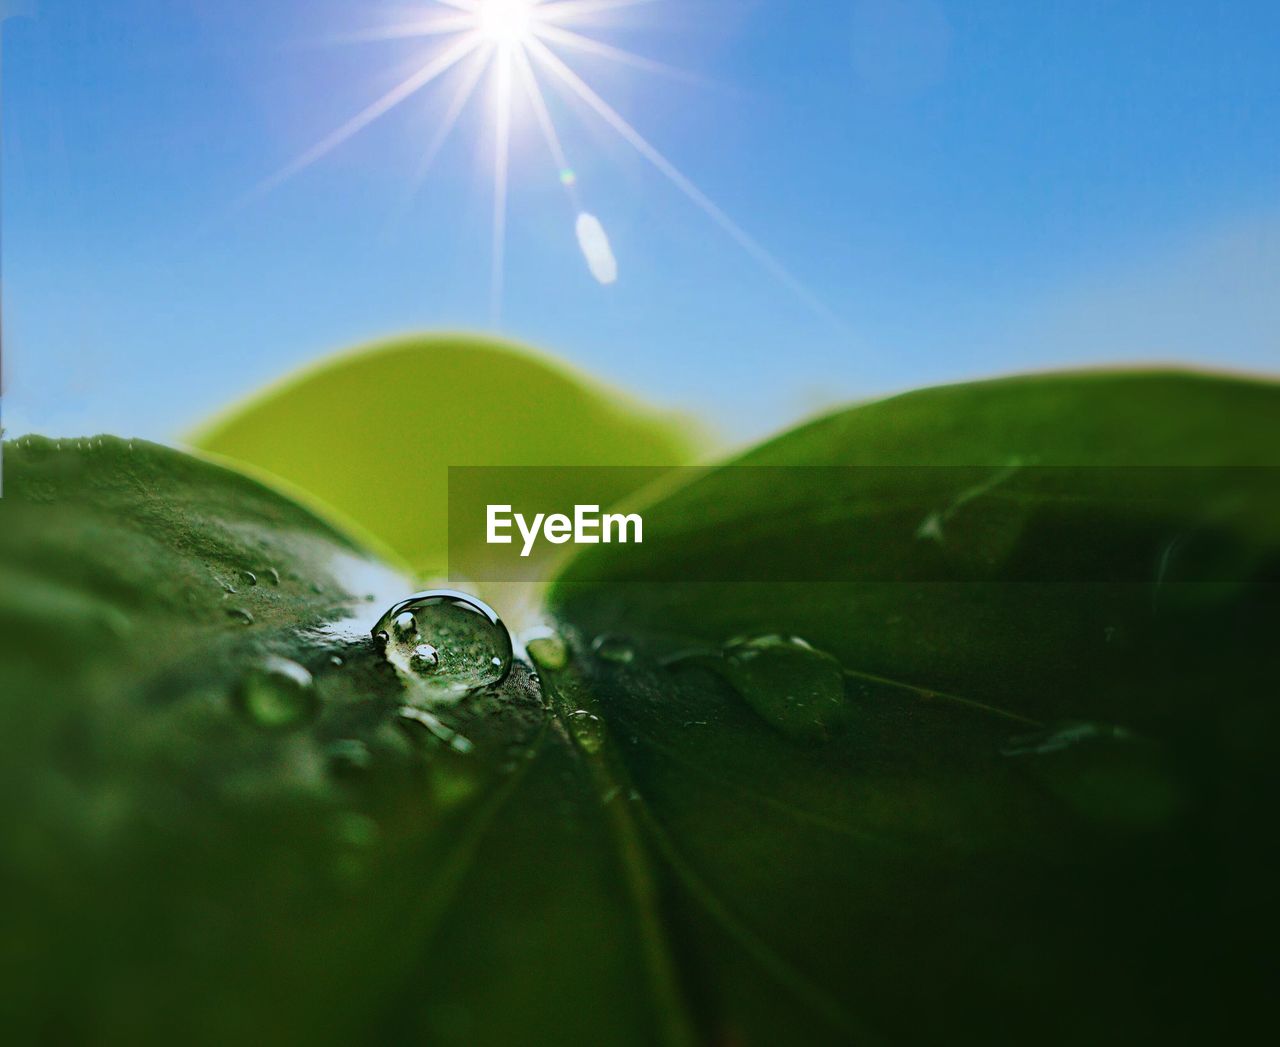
(1029, 814)
(201, 847)
(966, 811)
(373, 433)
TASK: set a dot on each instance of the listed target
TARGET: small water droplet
(548, 649)
(273, 576)
(335, 660)
(471, 645)
(278, 694)
(616, 649)
(240, 615)
(793, 687)
(249, 578)
(425, 659)
(587, 730)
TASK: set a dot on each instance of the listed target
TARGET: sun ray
(501, 169)
(543, 115)
(441, 64)
(558, 10)
(585, 44)
(445, 26)
(523, 38)
(466, 88)
(615, 120)
(465, 91)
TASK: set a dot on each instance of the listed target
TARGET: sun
(507, 23)
(519, 47)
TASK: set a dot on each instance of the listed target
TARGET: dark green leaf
(1035, 818)
(200, 848)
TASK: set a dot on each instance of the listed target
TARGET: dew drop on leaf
(277, 694)
(447, 641)
(425, 659)
(240, 615)
(587, 730)
(796, 689)
(614, 649)
(548, 649)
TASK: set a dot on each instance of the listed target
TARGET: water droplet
(425, 659)
(240, 615)
(335, 660)
(548, 650)
(472, 647)
(587, 730)
(614, 649)
(278, 693)
(792, 686)
(249, 578)
(273, 576)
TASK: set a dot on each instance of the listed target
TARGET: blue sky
(971, 187)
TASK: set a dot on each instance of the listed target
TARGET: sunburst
(515, 46)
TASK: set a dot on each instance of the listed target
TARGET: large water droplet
(278, 694)
(795, 688)
(447, 641)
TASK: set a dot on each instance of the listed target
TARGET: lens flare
(517, 46)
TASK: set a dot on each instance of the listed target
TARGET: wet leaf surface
(966, 810)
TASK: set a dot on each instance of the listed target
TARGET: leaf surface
(1022, 824)
(181, 868)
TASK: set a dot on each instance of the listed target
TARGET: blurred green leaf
(372, 433)
(1033, 820)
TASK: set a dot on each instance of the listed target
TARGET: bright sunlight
(522, 46)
